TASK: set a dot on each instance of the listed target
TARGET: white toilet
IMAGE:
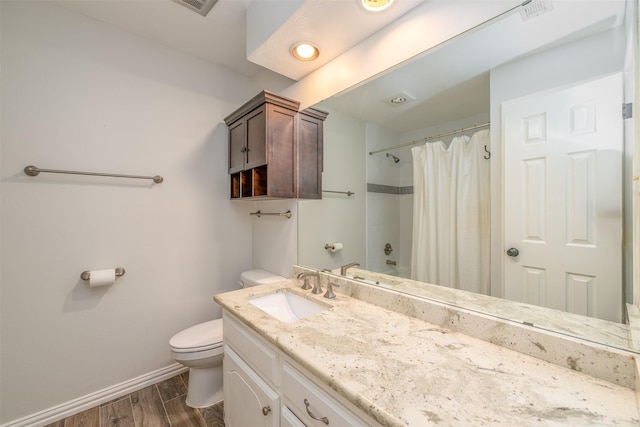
(200, 349)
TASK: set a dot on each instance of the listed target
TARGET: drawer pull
(266, 410)
(311, 414)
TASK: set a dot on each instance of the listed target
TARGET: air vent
(201, 6)
(535, 8)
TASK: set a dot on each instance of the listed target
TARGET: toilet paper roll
(102, 277)
(336, 247)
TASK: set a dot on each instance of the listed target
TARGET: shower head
(395, 159)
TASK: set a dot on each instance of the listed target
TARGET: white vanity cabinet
(263, 387)
(249, 400)
(250, 376)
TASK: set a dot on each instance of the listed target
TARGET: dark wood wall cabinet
(275, 150)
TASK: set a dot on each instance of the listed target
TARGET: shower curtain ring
(488, 156)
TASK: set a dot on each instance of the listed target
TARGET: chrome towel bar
(34, 171)
(86, 275)
(348, 193)
(259, 214)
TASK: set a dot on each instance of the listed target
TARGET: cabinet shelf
(250, 183)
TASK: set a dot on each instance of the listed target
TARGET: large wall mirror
(498, 164)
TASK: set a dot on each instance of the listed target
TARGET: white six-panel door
(563, 198)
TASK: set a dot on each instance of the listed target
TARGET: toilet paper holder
(333, 247)
(86, 275)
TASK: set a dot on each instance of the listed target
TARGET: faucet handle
(306, 285)
(306, 275)
(329, 294)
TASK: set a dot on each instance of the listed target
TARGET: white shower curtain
(451, 213)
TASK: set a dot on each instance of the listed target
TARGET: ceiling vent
(201, 6)
(535, 8)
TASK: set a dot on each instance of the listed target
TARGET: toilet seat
(201, 337)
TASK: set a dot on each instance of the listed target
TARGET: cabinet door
(310, 157)
(249, 401)
(256, 138)
(282, 152)
(237, 144)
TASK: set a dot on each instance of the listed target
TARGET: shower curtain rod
(429, 138)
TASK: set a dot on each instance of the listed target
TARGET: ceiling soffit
(334, 26)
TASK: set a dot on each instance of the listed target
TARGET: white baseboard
(83, 403)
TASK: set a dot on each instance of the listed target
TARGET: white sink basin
(287, 307)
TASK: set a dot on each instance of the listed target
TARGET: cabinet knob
(266, 410)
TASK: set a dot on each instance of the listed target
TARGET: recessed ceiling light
(376, 5)
(399, 98)
(305, 51)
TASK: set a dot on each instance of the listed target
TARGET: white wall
(383, 209)
(380, 168)
(337, 217)
(80, 95)
(275, 238)
(561, 65)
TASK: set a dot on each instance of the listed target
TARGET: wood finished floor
(159, 405)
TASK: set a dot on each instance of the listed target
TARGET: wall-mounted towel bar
(86, 275)
(348, 193)
(34, 171)
(259, 214)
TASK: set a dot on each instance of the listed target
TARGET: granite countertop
(591, 328)
(403, 371)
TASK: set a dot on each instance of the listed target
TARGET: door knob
(513, 252)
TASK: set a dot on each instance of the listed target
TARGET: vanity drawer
(252, 349)
(312, 405)
(289, 419)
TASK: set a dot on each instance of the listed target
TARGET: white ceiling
(452, 81)
(334, 26)
(221, 36)
(337, 25)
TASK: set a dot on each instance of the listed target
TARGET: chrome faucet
(316, 287)
(306, 275)
(344, 268)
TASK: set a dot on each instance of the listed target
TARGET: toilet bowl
(200, 349)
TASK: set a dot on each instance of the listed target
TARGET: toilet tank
(258, 277)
